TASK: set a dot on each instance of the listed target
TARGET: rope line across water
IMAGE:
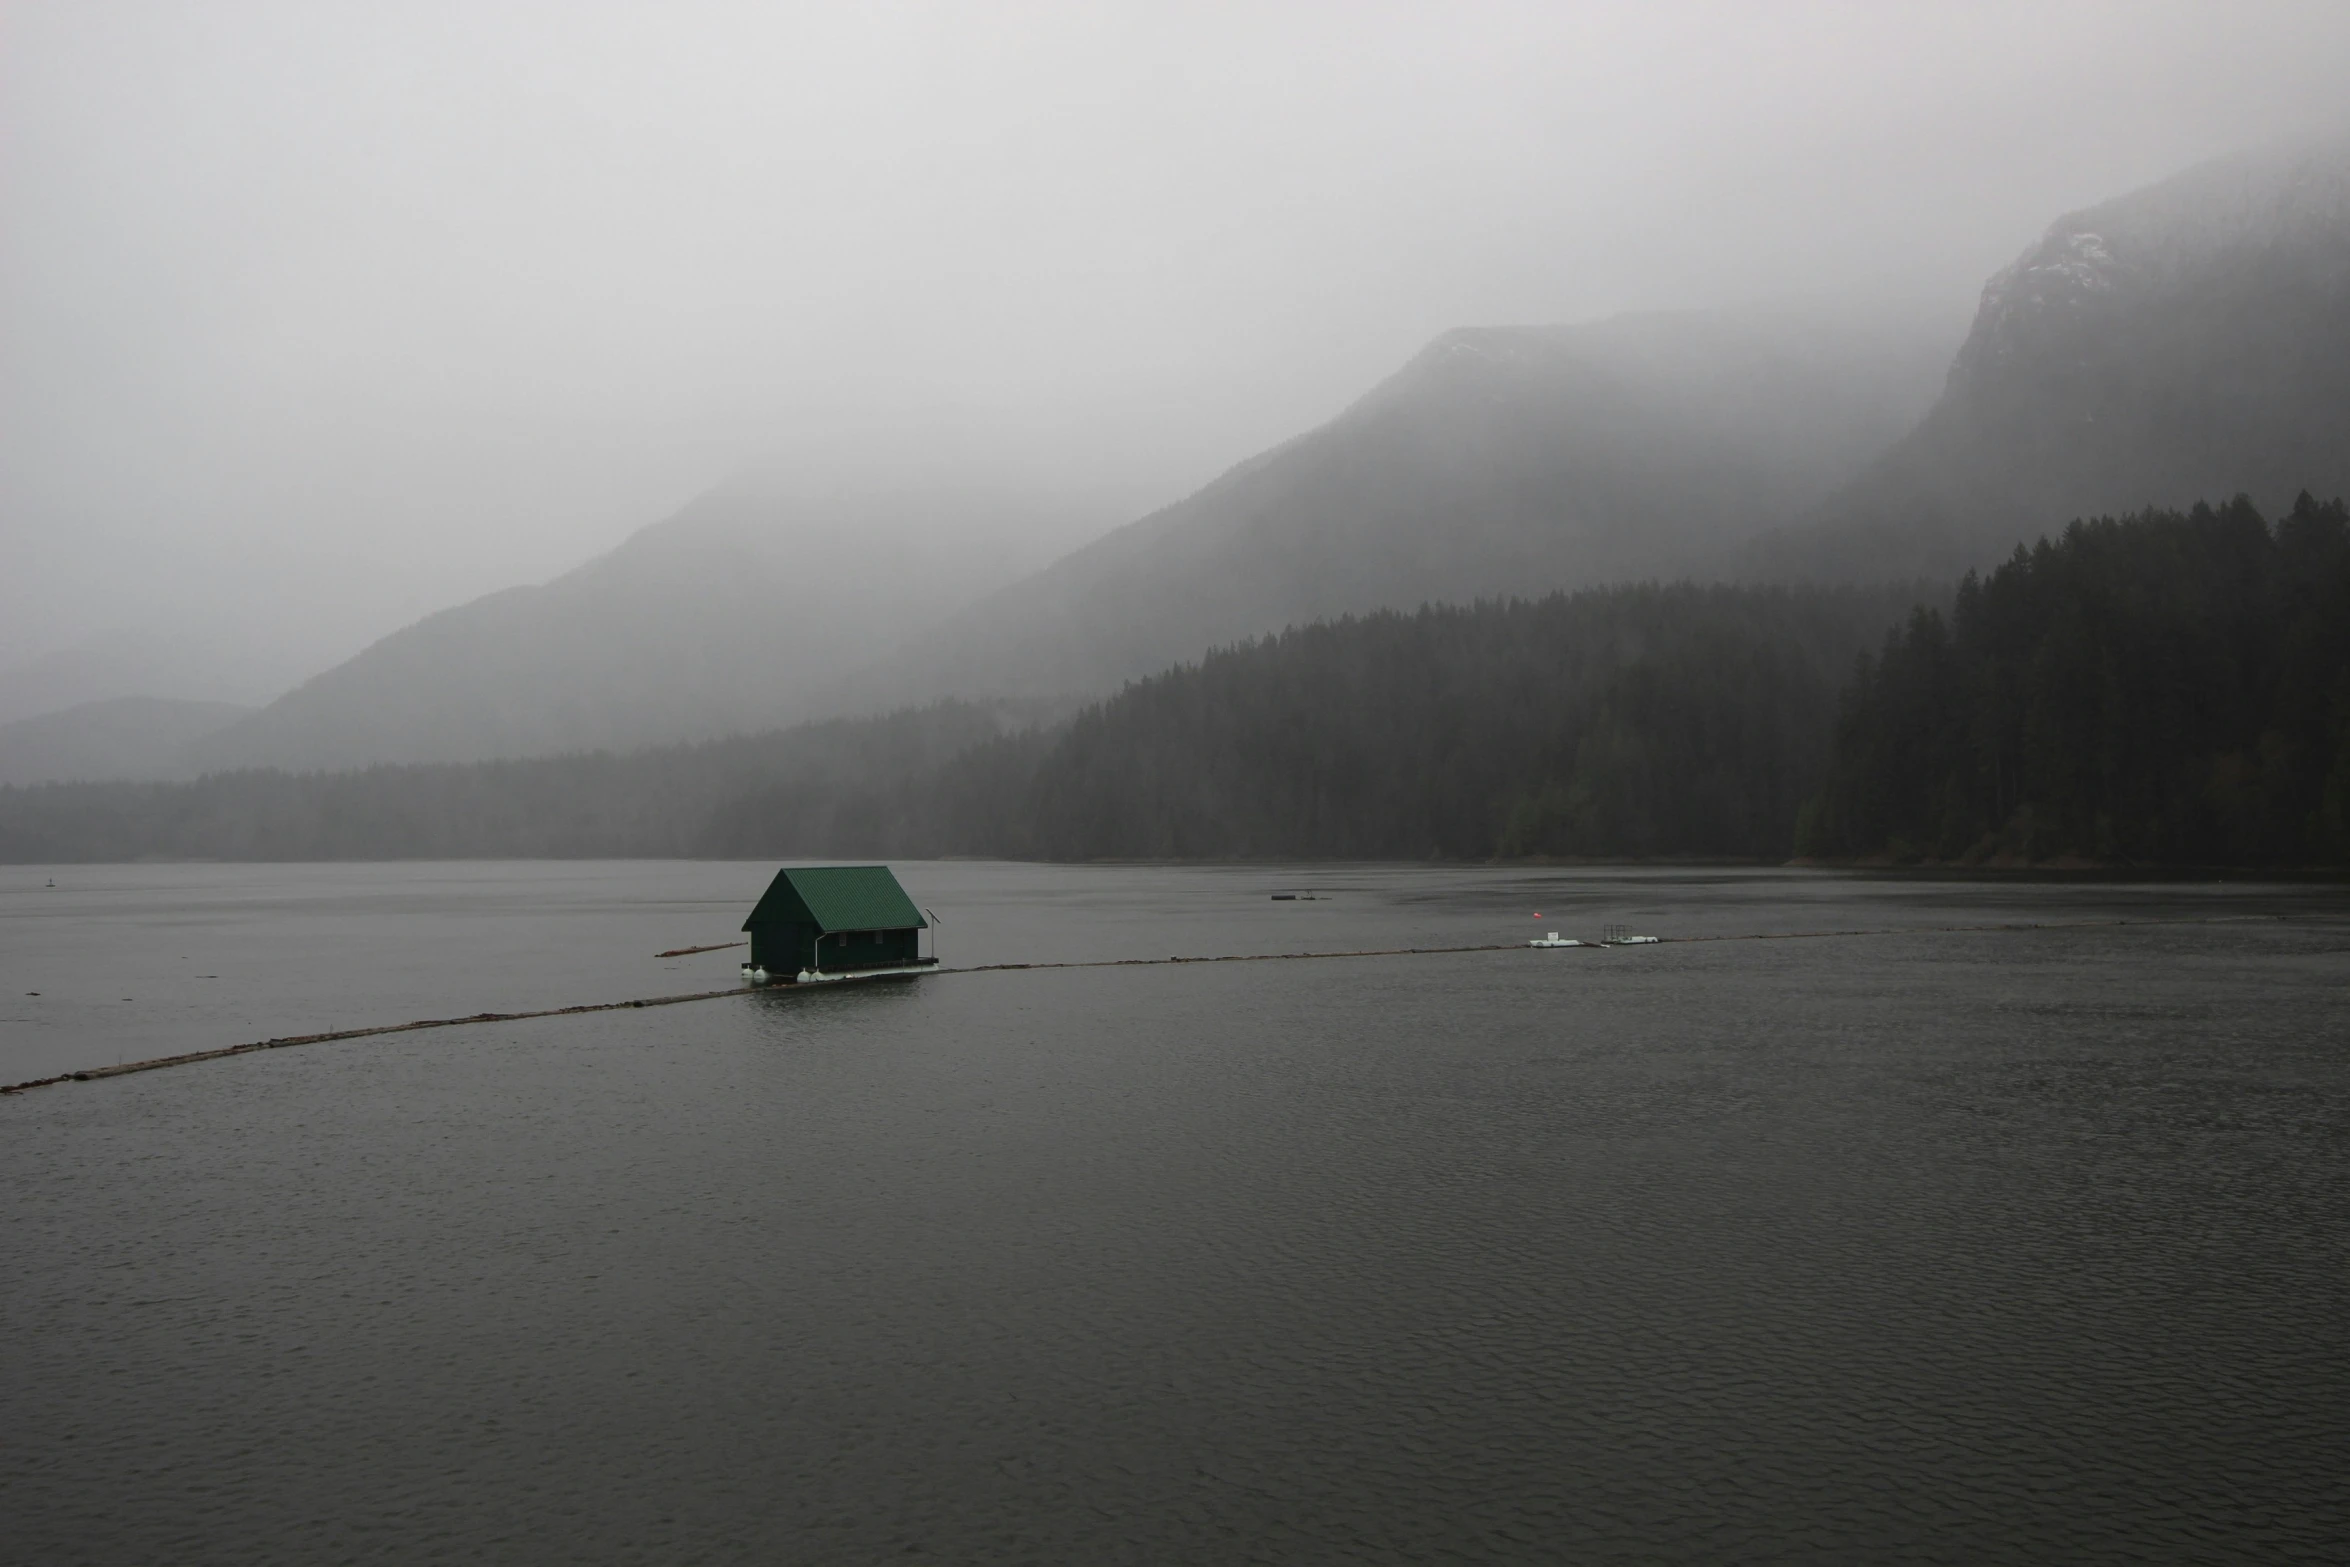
(124, 1069)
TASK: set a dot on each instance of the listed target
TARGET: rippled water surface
(1930, 1244)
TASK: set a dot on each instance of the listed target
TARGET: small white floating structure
(810, 976)
(1554, 939)
(1621, 936)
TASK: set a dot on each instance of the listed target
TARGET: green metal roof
(837, 897)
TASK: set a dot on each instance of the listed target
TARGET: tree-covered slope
(664, 801)
(1628, 721)
(2169, 689)
(2172, 688)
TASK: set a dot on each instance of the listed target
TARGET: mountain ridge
(2187, 339)
(1496, 461)
(717, 620)
(140, 738)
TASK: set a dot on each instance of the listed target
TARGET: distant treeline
(1630, 721)
(672, 801)
(2165, 689)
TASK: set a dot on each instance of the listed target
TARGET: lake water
(1934, 1244)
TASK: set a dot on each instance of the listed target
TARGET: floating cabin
(820, 922)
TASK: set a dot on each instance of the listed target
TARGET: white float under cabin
(829, 922)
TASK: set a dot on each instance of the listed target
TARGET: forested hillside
(2172, 688)
(1620, 722)
(2169, 689)
(659, 802)
(1630, 721)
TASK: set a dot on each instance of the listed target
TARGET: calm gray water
(1934, 1245)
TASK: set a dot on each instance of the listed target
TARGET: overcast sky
(314, 318)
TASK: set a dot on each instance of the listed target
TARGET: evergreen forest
(2170, 689)
(2167, 689)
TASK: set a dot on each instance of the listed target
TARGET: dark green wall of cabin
(870, 949)
(781, 949)
(786, 949)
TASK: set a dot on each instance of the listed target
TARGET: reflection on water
(1949, 1246)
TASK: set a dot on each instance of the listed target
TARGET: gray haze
(1499, 460)
(315, 321)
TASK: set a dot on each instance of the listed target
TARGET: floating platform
(809, 976)
(1616, 937)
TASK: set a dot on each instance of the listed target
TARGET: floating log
(1236, 957)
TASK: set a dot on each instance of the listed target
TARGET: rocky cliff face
(2185, 342)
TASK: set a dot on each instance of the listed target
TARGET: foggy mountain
(152, 662)
(1499, 461)
(2190, 339)
(132, 737)
(739, 614)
